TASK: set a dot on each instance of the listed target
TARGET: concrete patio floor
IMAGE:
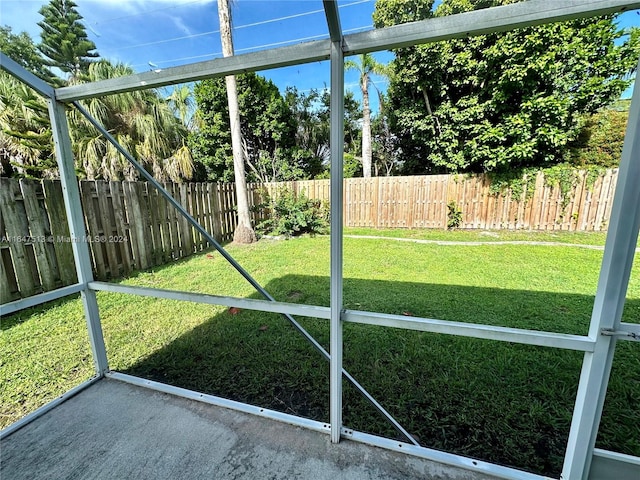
(114, 430)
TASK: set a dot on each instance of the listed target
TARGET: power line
(262, 22)
(257, 47)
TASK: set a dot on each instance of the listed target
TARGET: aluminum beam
(479, 22)
(77, 231)
(629, 331)
(238, 267)
(245, 303)
(532, 12)
(487, 332)
(491, 470)
(39, 299)
(46, 407)
(608, 464)
(333, 20)
(24, 75)
(463, 329)
(221, 402)
(336, 185)
(265, 59)
(618, 256)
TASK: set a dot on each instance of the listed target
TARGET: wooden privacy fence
(421, 202)
(131, 227)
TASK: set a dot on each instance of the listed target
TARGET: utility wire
(257, 47)
(239, 27)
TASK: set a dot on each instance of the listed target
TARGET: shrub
(292, 215)
(600, 141)
(454, 215)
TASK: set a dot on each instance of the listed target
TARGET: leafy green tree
(26, 144)
(25, 135)
(501, 101)
(268, 132)
(64, 39)
(312, 117)
(182, 104)
(601, 139)
(366, 66)
(21, 49)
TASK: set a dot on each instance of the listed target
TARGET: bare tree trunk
(366, 128)
(243, 233)
(429, 111)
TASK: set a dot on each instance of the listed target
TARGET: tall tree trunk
(243, 233)
(366, 127)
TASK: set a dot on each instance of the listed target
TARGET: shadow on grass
(505, 403)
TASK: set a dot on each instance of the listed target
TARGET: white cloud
(180, 25)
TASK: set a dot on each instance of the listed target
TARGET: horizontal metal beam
(630, 331)
(606, 464)
(24, 75)
(245, 303)
(479, 22)
(221, 402)
(35, 300)
(491, 470)
(487, 332)
(45, 408)
(532, 12)
(249, 62)
(237, 266)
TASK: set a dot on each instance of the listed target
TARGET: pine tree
(64, 39)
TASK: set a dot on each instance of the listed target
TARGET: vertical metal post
(609, 302)
(239, 268)
(79, 239)
(337, 150)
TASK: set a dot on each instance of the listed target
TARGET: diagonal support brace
(239, 268)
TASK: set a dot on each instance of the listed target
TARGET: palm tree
(181, 102)
(141, 121)
(366, 67)
(243, 233)
(26, 144)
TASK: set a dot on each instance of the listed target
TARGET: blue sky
(175, 32)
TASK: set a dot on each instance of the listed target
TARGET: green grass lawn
(500, 402)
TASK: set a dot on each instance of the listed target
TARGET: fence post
(73, 206)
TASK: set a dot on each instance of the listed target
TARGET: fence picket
(154, 233)
(17, 231)
(109, 231)
(121, 228)
(43, 242)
